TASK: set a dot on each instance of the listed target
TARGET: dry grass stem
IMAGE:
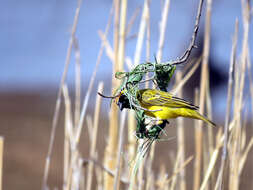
(229, 102)
(108, 48)
(148, 39)
(186, 162)
(58, 101)
(68, 135)
(236, 146)
(180, 140)
(174, 178)
(87, 96)
(77, 81)
(203, 87)
(120, 151)
(119, 41)
(137, 55)
(198, 147)
(131, 21)
(162, 27)
(141, 34)
(179, 85)
(94, 135)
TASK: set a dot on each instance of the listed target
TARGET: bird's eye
(138, 96)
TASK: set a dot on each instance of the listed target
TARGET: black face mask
(123, 102)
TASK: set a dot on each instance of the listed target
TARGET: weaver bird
(162, 105)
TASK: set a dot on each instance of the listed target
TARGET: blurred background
(33, 45)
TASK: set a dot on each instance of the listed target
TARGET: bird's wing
(160, 98)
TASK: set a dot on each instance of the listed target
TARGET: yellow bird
(163, 105)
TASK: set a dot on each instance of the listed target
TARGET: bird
(162, 105)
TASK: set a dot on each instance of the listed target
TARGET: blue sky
(35, 34)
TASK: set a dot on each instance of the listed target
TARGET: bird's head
(122, 101)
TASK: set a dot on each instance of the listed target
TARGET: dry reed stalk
(99, 177)
(131, 115)
(161, 178)
(89, 124)
(245, 155)
(206, 158)
(203, 87)
(124, 180)
(77, 82)
(94, 136)
(150, 176)
(141, 175)
(1, 160)
(131, 137)
(147, 17)
(186, 162)
(148, 40)
(131, 21)
(108, 49)
(234, 177)
(250, 76)
(58, 101)
(180, 140)
(162, 27)
(110, 154)
(179, 85)
(229, 102)
(210, 136)
(174, 177)
(141, 34)
(120, 62)
(68, 165)
(120, 151)
(67, 136)
(119, 41)
(211, 165)
(87, 96)
(198, 146)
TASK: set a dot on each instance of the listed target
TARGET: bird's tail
(203, 118)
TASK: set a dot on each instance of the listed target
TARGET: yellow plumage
(163, 105)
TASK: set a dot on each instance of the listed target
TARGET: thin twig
(104, 96)
(192, 45)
